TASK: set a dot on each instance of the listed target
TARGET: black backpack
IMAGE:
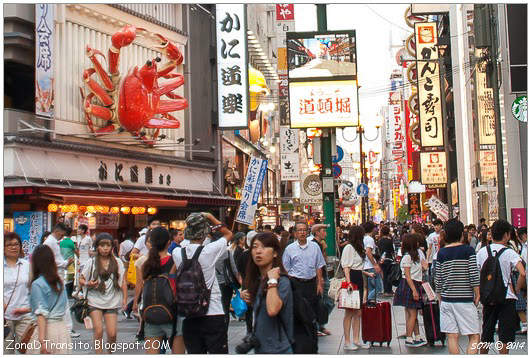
(159, 300)
(193, 296)
(492, 289)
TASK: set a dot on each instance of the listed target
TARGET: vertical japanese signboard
(231, 30)
(487, 165)
(30, 225)
(414, 204)
(429, 85)
(44, 65)
(433, 168)
(322, 79)
(485, 104)
(285, 16)
(251, 190)
(289, 154)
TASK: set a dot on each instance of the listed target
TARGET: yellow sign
(487, 165)
(433, 168)
(282, 59)
(485, 104)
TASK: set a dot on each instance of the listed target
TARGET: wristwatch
(272, 281)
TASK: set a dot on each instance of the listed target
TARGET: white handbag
(335, 283)
(349, 298)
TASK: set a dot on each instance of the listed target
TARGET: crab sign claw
(122, 38)
(171, 50)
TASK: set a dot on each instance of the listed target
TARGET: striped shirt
(456, 273)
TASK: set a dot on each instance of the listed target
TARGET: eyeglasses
(302, 230)
(13, 245)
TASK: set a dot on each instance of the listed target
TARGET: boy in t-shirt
(505, 313)
(68, 250)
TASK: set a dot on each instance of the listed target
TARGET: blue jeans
(375, 285)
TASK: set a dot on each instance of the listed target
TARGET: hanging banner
(30, 225)
(311, 191)
(485, 105)
(411, 147)
(251, 190)
(44, 56)
(233, 85)
(519, 217)
(433, 168)
(289, 154)
(426, 41)
(285, 15)
(430, 109)
(487, 165)
(414, 204)
(285, 12)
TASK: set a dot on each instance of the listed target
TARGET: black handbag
(230, 276)
(395, 274)
(80, 306)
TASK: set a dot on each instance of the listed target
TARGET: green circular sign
(519, 108)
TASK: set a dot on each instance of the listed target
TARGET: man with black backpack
(497, 292)
(198, 292)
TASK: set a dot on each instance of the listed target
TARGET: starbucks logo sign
(519, 108)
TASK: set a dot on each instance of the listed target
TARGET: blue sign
(340, 154)
(337, 170)
(362, 190)
(251, 190)
(30, 225)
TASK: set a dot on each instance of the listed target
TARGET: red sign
(411, 147)
(285, 12)
(519, 217)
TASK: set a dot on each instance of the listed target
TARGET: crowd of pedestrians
(189, 283)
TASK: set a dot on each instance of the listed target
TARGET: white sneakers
(356, 346)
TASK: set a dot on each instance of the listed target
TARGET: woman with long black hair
(409, 289)
(352, 263)
(106, 286)
(48, 303)
(158, 262)
(269, 290)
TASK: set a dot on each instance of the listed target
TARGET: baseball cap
(250, 236)
(196, 226)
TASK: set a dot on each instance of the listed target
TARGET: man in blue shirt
(303, 261)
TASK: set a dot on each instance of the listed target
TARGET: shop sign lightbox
(232, 70)
(433, 168)
(430, 108)
(426, 41)
(323, 104)
(485, 105)
(487, 165)
(322, 77)
(289, 154)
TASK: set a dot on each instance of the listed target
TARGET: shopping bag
(349, 298)
(131, 272)
(335, 283)
(238, 305)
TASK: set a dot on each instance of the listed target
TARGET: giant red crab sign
(133, 102)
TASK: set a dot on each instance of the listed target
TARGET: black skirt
(356, 277)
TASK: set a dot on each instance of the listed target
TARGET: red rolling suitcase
(376, 323)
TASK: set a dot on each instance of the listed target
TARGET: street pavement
(332, 344)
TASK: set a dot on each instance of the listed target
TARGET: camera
(246, 346)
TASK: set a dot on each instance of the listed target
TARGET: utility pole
(363, 176)
(329, 200)
(446, 139)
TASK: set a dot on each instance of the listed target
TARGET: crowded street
(284, 178)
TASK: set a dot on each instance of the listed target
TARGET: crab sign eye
(148, 63)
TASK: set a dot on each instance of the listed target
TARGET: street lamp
(361, 133)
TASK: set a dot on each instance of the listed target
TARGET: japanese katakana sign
(433, 168)
(44, 34)
(232, 66)
(250, 193)
(429, 90)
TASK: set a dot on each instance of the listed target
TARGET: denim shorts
(104, 311)
(161, 330)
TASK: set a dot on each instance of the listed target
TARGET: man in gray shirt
(303, 261)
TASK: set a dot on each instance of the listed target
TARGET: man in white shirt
(205, 334)
(433, 247)
(52, 241)
(84, 245)
(374, 282)
(140, 248)
(505, 313)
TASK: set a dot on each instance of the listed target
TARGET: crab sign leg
(122, 38)
(173, 53)
(166, 106)
(96, 88)
(172, 122)
(98, 111)
(104, 77)
(169, 86)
